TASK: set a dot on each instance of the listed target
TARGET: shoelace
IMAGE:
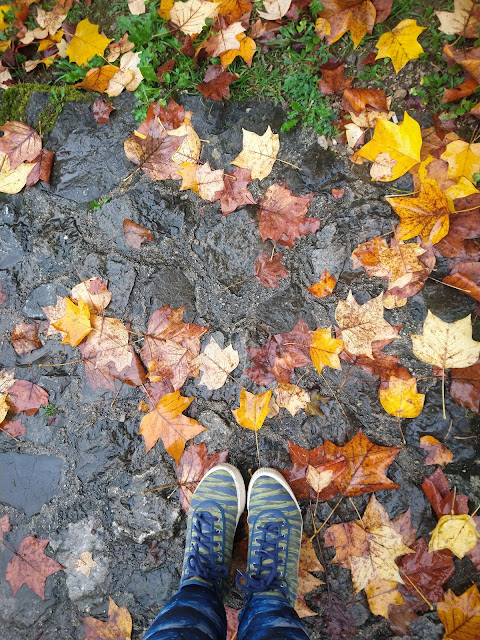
(266, 576)
(203, 559)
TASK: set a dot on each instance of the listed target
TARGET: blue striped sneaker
(275, 536)
(215, 509)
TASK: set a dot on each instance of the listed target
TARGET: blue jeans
(197, 613)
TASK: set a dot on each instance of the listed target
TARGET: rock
(28, 482)
(11, 249)
(42, 296)
(399, 94)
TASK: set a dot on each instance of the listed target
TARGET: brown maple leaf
(42, 168)
(14, 428)
(306, 581)
(235, 192)
(465, 387)
(383, 365)
(443, 500)
(333, 78)
(25, 338)
(167, 421)
(216, 83)
(356, 16)
(171, 345)
(366, 465)
(135, 234)
(154, 153)
(460, 614)
(117, 627)
(27, 397)
(280, 355)
(334, 615)
(20, 143)
(31, 566)
(282, 216)
(465, 275)
(269, 269)
(102, 110)
(460, 242)
(358, 100)
(193, 465)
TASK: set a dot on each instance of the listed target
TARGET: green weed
(95, 205)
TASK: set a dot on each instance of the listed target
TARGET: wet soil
(88, 495)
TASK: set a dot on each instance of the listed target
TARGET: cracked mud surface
(89, 463)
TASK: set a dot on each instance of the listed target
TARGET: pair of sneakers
(274, 539)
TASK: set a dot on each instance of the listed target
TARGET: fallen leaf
(225, 39)
(101, 111)
(438, 453)
(367, 255)
(25, 338)
(27, 397)
(318, 480)
(117, 627)
(117, 48)
(253, 409)
(75, 323)
(20, 143)
(234, 9)
(460, 615)
(154, 152)
(86, 43)
(167, 422)
(306, 581)
(443, 500)
(171, 346)
(136, 7)
(324, 287)
(400, 398)
(383, 365)
(94, 292)
(394, 148)
(98, 79)
(259, 153)
(456, 532)
(209, 182)
(274, 9)
(333, 80)
(4, 406)
(465, 387)
(31, 566)
(369, 547)
(463, 159)
(324, 349)
(193, 465)
(190, 17)
(216, 364)
(14, 428)
(41, 169)
(401, 44)
(216, 83)
(232, 622)
(291, 397)
(338, 193)
(466, 276)
(85, 563)
(269, 269)
(235, 192)
(128, 77)
(463, 21)
(7, 378)
(446, 345)
(246, 51)
(334, 614)
(135, 234)
(356, 16)
(282, 216)
(363, 324)
(5, 526)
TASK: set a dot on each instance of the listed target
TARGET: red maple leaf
(31, 566)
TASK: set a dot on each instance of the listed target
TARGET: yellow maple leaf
(401, 399)
(253, 409)
(4, 8)
(75, 323)
(190, 16)
(165, 8)
(401, 44)
(461, 189)
(259, 153)
(86, 43)
(463, 159)
(425, 215)
(246, 51)
(4, 406)
(324, 350)
(455, 532)
(394, 148)
(98, 79)
(324, 286)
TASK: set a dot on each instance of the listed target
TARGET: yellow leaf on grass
(167, 422)
(98, 79)
(401, 399)
(253, 409)
(190, 17)
(394, 148)
(401, 44)
(425, 215)
(446, 344)
(165, 8)
(246, 51)
(4, 8)
(463, 159)
(259, 153)
(4, 406)
(322, 27)
(75, 323)
(86, 43)
(324, 350)
(455, 532)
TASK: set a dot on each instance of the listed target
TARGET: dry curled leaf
(25, 338)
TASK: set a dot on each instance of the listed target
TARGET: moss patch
(15, 102)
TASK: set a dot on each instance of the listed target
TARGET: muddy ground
(77, 479)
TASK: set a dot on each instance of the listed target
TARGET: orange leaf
(118, 625)
(460, 615)
(98, 79)
(438, 453)
(324, 286)
(167, 422)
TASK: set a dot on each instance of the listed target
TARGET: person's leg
(274, 541)
(196, 611)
